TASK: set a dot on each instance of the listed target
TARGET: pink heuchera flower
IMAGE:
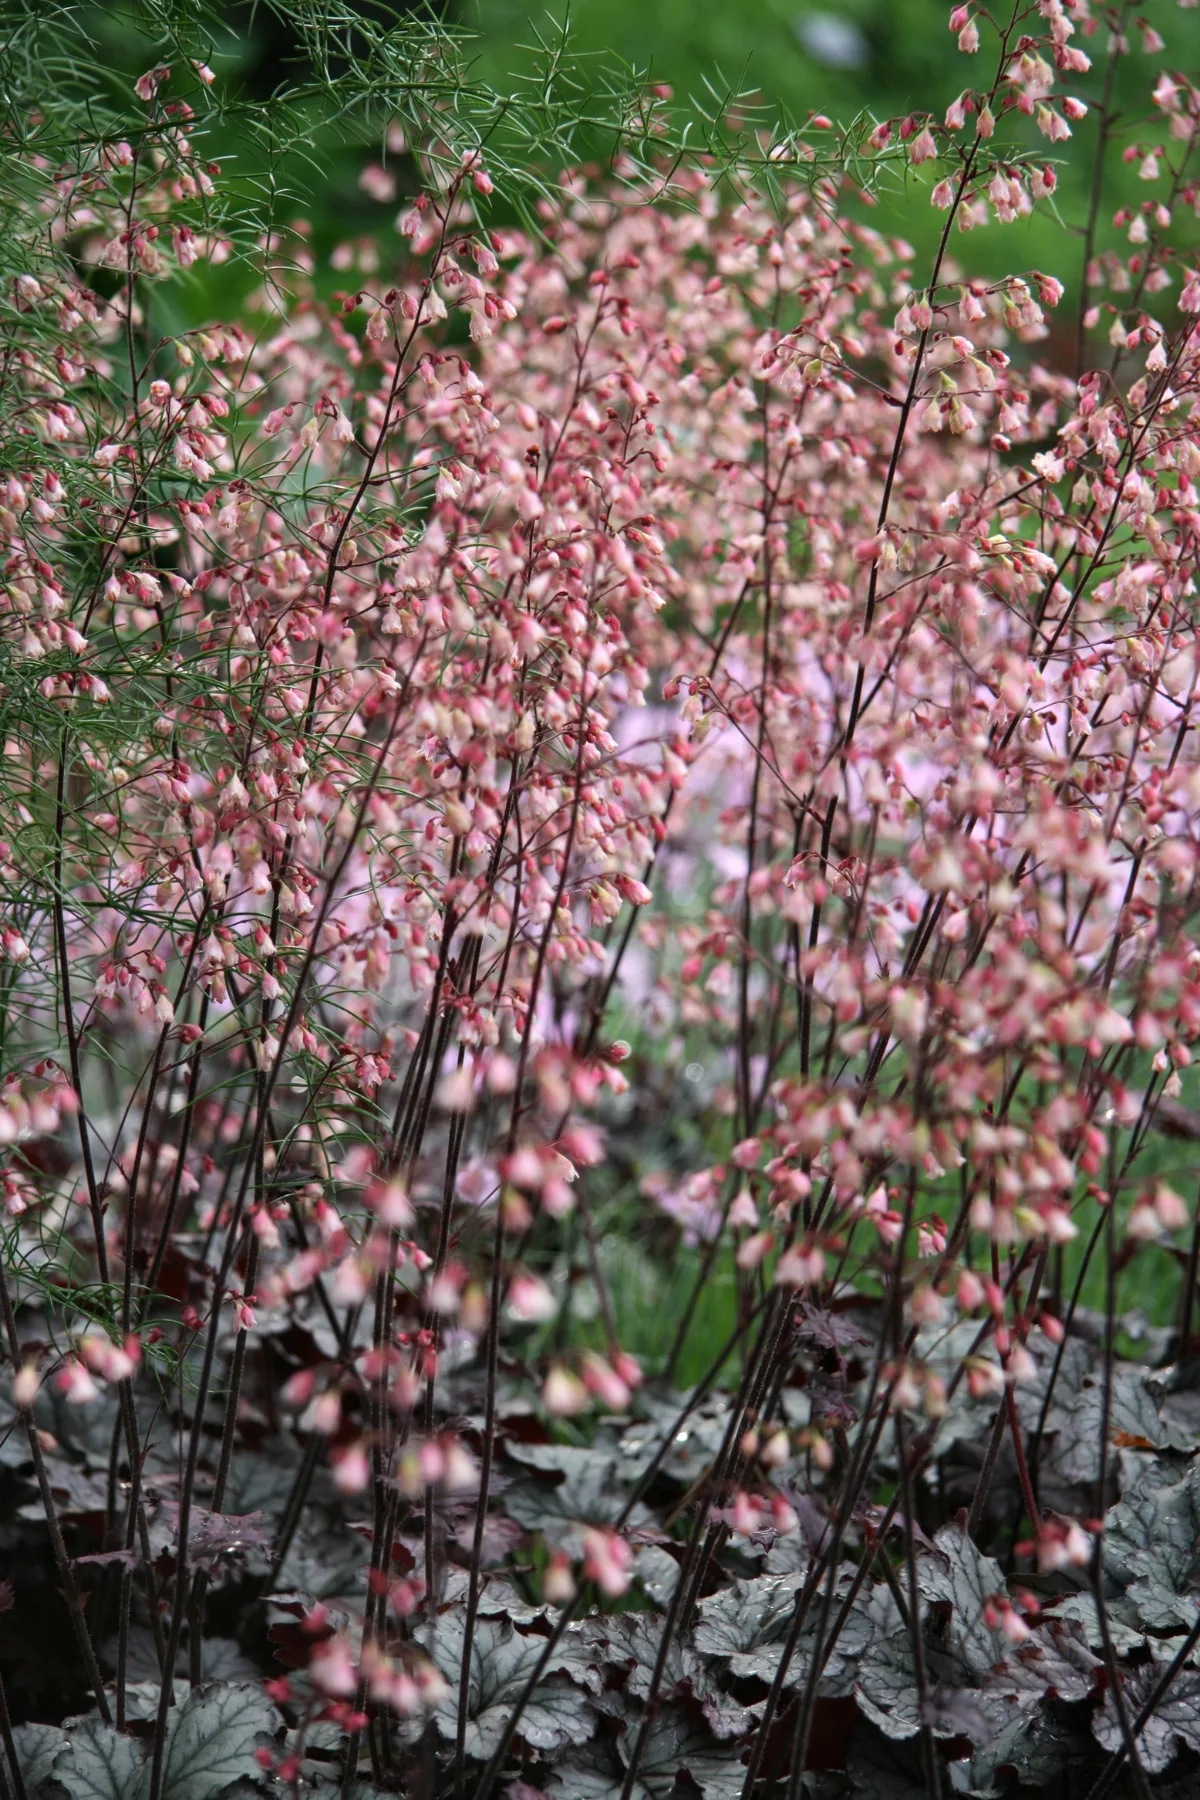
(702, 620)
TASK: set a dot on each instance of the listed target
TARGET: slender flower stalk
(599, 839)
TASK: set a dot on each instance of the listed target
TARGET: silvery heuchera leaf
(957, 1573)
(967, 1417)
(225, 1660)
(321, 1740)
(497, 1598)
(693, 1444)
(1027, 1744)
(1180, 1406)
(657, 1571)
(634, 1638)
(326, 1564)
(1075, 1365)
(14, 1439)
(796, 1407)
(885, 1685)
(38, 1750)
(1152, 1546)
(880, 1769)
(502, 1660)
(82, 1433)
(262, 1483)
(979, 1687)
(788, 1555)
(1175, 1720)
(592, 1772)
(1133, 1412)
(584, 1653)
(556, 1715)
(212, 1537)
(678, 1744)
(1007, 1721)
(591, 1491)
(841, 1658)
(955, 1712)
(107, 1559)
(1123, 1626)
(100, 1763)
(141, 1660)
(75, 1491)
(213, 1737)
(748, 1622)
(141, 1698)
(1055, 1660)
(726, 1717)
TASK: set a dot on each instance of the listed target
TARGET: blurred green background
(843, 57)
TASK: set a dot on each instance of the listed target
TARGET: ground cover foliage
(598, 840)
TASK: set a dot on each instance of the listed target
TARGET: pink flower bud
(558, 1583)
(332, 1668)
(563, 1394)
(607, 1560)
(604, 1382)
(25, 1385)
(530, 1301)
(351, 1472)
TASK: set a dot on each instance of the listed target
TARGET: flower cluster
(693, 622)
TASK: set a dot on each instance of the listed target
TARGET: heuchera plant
(683, 617)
